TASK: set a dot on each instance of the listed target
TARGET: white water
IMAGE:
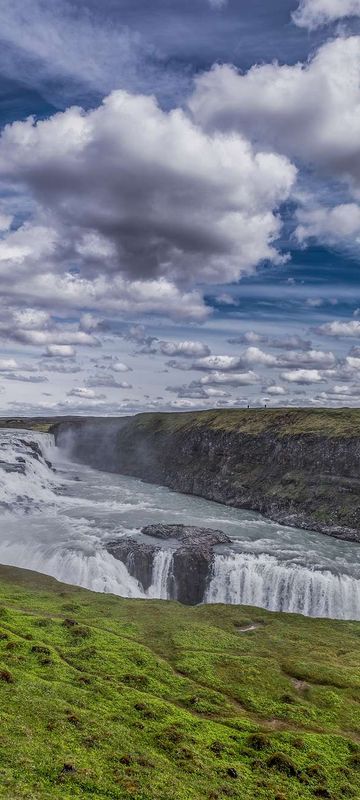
(59, 522)
(263, 581)
(161, 574)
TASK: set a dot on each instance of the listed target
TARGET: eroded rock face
(307, 477)
(193, 554)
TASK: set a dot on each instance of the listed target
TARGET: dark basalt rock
(192, 559)
(137, 556)
(188, 535)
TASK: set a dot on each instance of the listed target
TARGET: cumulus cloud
(309, 111)
(187, 349)
(198, 392)
(274, 390)
(302, 376)
(230, 378)
(107, 380)
(60, 351)
(7, 364)
(339, 328)
(329, 225)
(318, 359)
(313, 14)
(218, 363)
(251, 356)
(119, 366)
(289, 342)
(141, 201)
(85, 394)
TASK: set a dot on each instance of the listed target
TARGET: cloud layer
(313, 14)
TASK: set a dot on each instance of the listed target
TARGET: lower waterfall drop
(162, 564)
(263, 581)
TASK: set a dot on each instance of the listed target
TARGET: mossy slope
(108, 698)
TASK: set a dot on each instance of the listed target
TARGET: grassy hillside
(107, 698)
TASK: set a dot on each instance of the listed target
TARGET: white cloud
(309, 111)
(253, 355)
(119, 366)
(313, 14)
(221, 363)
(60, 351)
(7, 364)
(275, 390)
(85, 394)
(230, 378)
(329, 225)
(319, 359)
(185, 349)
(339, 328)
(250, 357)
(353, 362)
(166, 204)
(302, 376)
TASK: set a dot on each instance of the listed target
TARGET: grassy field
(337, 422)
(107, 698)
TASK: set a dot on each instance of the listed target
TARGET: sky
(179, 205)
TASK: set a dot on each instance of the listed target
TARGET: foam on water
(56, 517)
(26, 480)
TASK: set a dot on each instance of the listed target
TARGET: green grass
(340, 422)
(107, 698)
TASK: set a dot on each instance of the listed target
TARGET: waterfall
(264, 581)
(26, 478)
(162, 564)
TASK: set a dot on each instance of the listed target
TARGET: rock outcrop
(192, 558)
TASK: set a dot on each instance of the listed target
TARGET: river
(56, 517)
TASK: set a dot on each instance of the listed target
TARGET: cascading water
(58, 517)
(261, 580)
(162, 564)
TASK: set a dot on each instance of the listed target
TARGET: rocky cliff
(296, 466)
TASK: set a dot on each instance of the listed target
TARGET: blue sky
(179, 204)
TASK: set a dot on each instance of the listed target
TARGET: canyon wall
(296, 466)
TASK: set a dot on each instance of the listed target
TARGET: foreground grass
(108, 698)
